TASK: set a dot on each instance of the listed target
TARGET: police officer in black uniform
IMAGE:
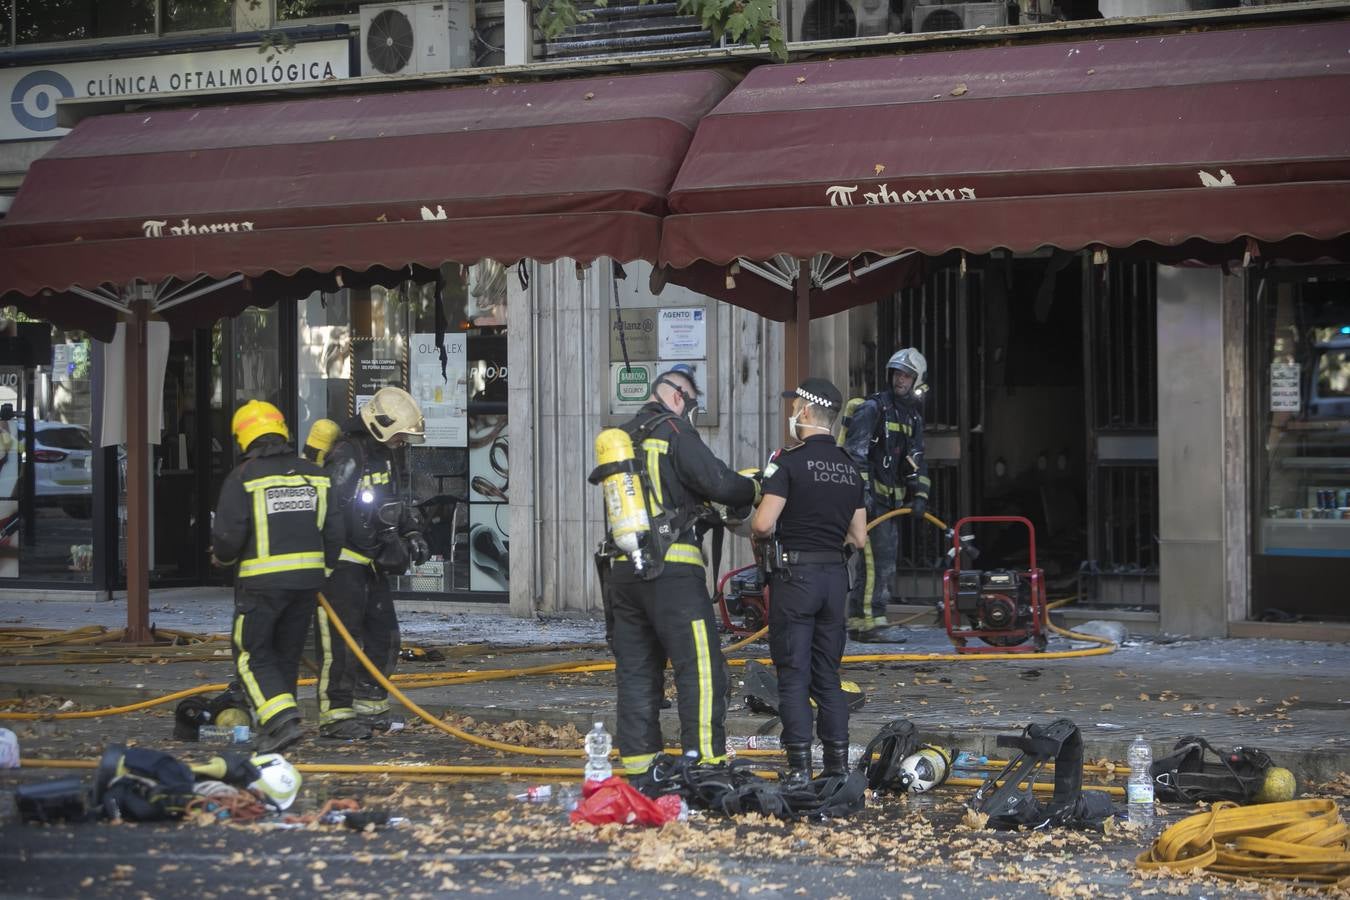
(809, 523)
(671, 616)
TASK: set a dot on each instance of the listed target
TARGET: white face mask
(793, 426)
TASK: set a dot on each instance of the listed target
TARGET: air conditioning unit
(416, 38)
(834, 20)
(958, 16)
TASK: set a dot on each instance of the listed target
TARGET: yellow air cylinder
(625, 505)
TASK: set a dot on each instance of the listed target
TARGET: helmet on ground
(391, 412)
(926, 769)
(256, 418)
(278, 781)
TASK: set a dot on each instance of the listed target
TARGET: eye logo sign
(33, 101)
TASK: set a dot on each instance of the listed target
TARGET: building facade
(1177, 434)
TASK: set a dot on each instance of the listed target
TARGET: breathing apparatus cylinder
(625, 501)
(926, 769)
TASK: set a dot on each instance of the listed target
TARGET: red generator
(1004, 608)
(743, 601)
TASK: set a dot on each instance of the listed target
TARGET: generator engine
(742, 594)
(1003, 608)
(996, 600)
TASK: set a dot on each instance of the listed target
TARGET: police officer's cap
(818, 391)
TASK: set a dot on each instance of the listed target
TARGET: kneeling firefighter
(383, 536)
(652, 572)
(275, 522)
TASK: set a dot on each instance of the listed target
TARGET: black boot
(798, 765)
(835, 758)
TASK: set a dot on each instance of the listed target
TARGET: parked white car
(63, 464)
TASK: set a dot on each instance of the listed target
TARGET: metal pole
(797, 352)
(138, 470)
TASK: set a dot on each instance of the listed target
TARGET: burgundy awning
(1165, 139)
(560, 169)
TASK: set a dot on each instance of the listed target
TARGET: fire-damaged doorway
(1042, 404)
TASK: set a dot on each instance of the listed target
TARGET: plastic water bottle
(224, 734)
(535, 793)
(9, 749)
(967, 760)
(754, 742)
(598, 745)
(1139, 791)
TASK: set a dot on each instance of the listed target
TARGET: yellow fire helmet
(391, 412)
(256, 418)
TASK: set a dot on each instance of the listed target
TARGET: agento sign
(28, 96)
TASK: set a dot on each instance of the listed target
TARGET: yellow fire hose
(1302, 843)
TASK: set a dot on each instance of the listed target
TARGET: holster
(772, 557)
(852, 563)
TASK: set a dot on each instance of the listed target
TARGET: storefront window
(41, 21)
(352, 343)
(1302, 389)
(308, 9)
(193, 15)
(46, 458)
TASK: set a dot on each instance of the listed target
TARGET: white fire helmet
(279, 781)
(911, 361)
(391, 412)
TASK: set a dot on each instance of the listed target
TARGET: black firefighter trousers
(670, 618)
(268, 638)
(360, 597)
(806, 640)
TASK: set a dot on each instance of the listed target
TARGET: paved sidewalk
(1289, 698)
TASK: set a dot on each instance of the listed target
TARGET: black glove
(418, 548)
(917, 506)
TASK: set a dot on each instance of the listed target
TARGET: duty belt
(813, 556)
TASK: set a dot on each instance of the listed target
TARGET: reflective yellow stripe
(352, 556)
(655, 448)
(636, 765)
(684, 553)
(261, 534)
(883, 489)
(374, 478)
(277, 704)
(370, 707)
(678, 553)
(326, 651)
(703, 660)
(255, 694)
(281, 562)
(323, 502)
(870, 579)
(271, 481)
(336, 715)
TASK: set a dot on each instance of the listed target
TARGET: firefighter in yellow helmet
(382, 538)
(275, 523)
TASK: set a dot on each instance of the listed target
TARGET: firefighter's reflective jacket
(683, 473)
(885, 438)
(362, 472)
(274, 519)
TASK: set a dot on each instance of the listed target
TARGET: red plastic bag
(613, 800)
